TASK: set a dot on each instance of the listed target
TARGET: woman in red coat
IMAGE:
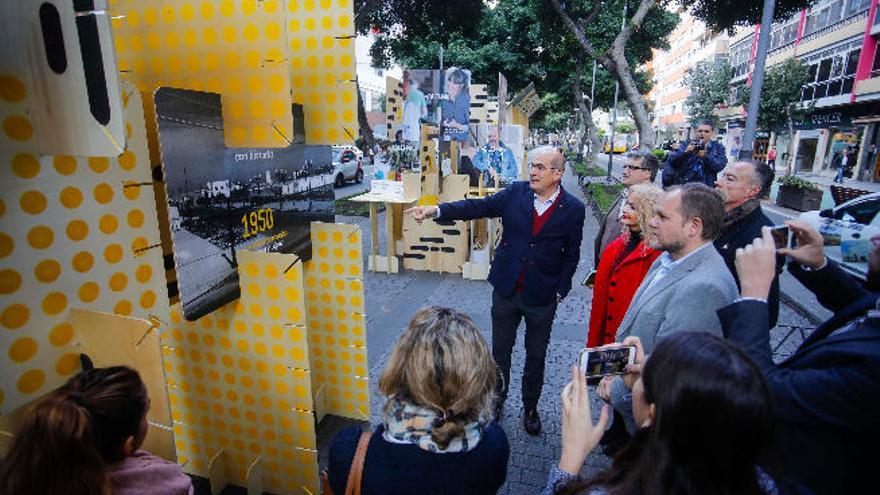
(623, 265)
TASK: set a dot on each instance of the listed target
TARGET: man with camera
(697, 160)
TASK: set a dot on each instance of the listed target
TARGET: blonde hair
(644, 198)
(442, 362)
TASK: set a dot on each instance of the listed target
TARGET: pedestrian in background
(698, 160)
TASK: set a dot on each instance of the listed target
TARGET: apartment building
(690, 44)
(837, 40)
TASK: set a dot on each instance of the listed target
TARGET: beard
(673, 247)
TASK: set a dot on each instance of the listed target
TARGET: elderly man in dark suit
(827, 394)
(742, 185)
(533, 265)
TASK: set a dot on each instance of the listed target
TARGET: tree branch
(578, 34)
(634, 23)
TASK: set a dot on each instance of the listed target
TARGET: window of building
(832, 71)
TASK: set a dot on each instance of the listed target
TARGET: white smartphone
(603, 361)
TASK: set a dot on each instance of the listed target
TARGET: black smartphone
(590, 279)
(781, 236)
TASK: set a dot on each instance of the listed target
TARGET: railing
(833, 27)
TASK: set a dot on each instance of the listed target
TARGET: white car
(347, 165)
(848, 229)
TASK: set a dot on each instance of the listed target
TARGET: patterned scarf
(738, 213)
(409, 423)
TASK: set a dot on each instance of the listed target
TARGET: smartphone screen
(590, 279)
(602, 361)
(780, 235)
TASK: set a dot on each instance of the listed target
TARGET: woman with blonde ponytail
(84, 438)
(437, 434)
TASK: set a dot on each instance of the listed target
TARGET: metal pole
(745, 152)
(614, 121)
(593, 88)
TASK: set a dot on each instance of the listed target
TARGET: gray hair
(646, 159)
(550, 150)
(763, 177)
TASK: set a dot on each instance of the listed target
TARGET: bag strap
(355, 473)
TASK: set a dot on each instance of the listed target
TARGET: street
(393, 299)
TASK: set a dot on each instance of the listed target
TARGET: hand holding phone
(604, 361)
(781, 236)
(590, 279)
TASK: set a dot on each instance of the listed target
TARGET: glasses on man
(540, 167)
(635, 167)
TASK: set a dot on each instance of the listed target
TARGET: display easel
(388, 262)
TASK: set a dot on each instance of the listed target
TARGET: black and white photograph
(225, 199)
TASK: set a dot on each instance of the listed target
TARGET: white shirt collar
(549, 200)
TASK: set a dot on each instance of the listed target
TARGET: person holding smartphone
(704, 419)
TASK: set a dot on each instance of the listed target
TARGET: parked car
(347, 165)
(848, 228)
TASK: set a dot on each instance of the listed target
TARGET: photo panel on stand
(227, 199)
(498, 153)
(455, 107)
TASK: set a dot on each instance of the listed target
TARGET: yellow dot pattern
(235, 48)
(337, 326)
(51, 115)
(320, 46)
(239, 379)
(65, 223)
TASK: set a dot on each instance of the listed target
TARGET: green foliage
(724, 15)
(795, 182)
(625, 128)
(659, 153)
(600, 132)
(709, 86)
(603, 194)
(781, 94)
(584, 170)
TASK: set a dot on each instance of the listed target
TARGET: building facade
(837, 41)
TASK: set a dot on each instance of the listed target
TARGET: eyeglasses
(635, 167)
(540, 167)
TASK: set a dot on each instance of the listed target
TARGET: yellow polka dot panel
(320, 36)
(337, 326)
(74, 232)
(48, 107)
(236, 48)
(240, 380)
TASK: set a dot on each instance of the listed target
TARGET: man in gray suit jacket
(685, 286)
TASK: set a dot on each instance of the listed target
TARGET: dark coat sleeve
(826, 395)
(715, 159)
(571, 251)
(489, 207)
(678, 159)
(342, 450)
(833, 288)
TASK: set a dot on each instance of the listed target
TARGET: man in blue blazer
(827, 394)
(533, 265)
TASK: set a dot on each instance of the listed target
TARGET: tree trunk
(365, 131)
(633, 99)
(615, 61)
(585, 113)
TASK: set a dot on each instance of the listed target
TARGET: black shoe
(531, 421)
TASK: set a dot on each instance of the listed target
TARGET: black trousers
(507, 313)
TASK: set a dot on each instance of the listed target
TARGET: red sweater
(538, 222)
(614, 289)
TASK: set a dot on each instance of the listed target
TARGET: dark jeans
(507, 312)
